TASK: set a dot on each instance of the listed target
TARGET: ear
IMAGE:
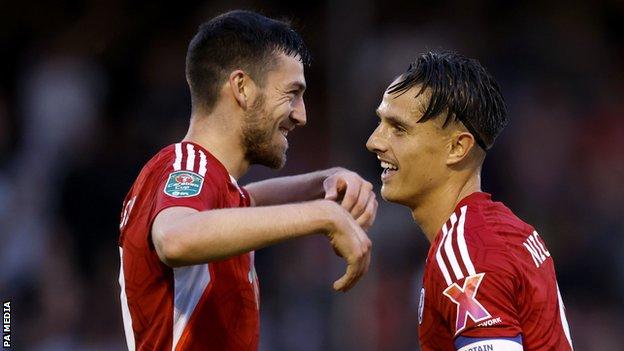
(461, 144)
(242, 87)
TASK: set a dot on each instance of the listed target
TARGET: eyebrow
(301, 86)
(393, 118)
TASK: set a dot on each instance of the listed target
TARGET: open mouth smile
(389, 169)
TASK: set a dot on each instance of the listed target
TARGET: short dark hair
(237, 40)
(461, 88)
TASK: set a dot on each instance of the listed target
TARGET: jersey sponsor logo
(466, 301)
(537, 250)
(421, 305)
(490, 322)
(183, 184)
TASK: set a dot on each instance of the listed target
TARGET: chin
(387, 194)
(392, 196)
(275, 160)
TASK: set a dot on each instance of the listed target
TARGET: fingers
(365, 192)
(367, 218)
(357, 265)
(332, 187)
(354, 272)
(329, 185)
(367, 262)
(351, 196)
(357, 192)
(347, 280)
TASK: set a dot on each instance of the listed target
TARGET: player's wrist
(332, 216)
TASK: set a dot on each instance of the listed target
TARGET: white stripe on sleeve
(177, 164)
(450, 253)
(439, 259)
(461, 242)
(190, 158)
(202, 163)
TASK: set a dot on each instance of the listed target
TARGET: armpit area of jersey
(463, 343)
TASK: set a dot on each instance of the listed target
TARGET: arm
(354, 193)
(183, 236)
(281, 190)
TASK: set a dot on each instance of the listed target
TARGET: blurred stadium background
(90, 90)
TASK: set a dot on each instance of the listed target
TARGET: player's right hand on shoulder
(350, 242)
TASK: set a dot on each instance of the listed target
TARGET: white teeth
(284, 132)
(387, 165)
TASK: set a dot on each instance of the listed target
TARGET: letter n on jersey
(467, 304)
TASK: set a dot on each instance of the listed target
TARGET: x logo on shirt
(467, 304)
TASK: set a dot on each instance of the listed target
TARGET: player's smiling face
(412, 155)
(276, 111)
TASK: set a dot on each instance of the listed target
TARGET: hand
(355, 195)
(351, 243)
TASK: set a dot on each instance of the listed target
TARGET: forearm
(303, 187)
(207, 236)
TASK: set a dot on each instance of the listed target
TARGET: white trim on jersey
(454, 257)
(564, 320)
(177, 164)
(493, 345)
(450, 253)
(202, 163)
(190, 157)
(439, 259)
(189, 285)
(125, 310)
(461, 242)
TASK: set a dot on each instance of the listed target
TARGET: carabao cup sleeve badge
(184, 184)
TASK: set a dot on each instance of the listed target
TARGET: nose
(298, 115)
(375, 142)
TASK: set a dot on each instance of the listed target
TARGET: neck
(435, 208)
(217, 134)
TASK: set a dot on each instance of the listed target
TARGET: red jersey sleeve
(482, 299)
(483, 305)
(189, 179)
(187, 189)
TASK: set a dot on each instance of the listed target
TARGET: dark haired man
(489, 281)
(187, 229)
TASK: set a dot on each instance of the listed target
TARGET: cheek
(421, 164)
(279, 113)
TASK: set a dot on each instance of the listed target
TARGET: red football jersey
(211, 306)
(490, 275)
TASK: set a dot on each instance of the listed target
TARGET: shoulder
(190, 167)
(479, 238)
(190, 157)
(494, 236)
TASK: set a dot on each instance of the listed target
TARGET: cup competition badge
(184, 184)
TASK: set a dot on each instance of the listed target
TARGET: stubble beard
(258, 130)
